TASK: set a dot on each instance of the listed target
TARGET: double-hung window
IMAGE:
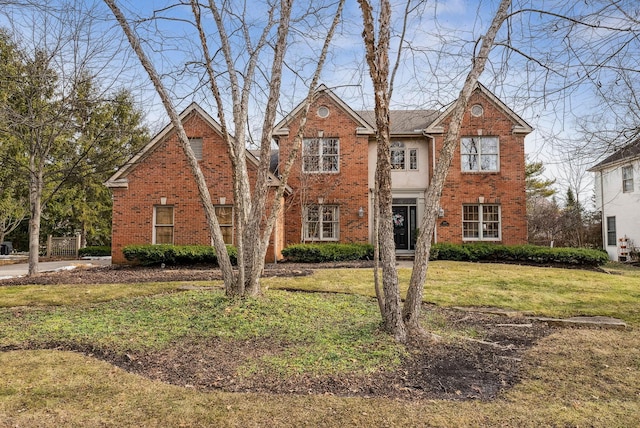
(401, 157)
(479, 154)
(481, 222)
(163, 224)
(224, 214)
(627, 178)
(321, 154)
(321, 223)
(612, 239)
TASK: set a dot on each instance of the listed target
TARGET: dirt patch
(123, 274)
(447, 369)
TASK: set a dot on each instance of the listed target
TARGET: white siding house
(617, 185)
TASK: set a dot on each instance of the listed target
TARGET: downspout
(433, 167)
(603, 218)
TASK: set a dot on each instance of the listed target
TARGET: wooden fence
(65, 246)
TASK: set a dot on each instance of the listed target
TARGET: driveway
(21, 269)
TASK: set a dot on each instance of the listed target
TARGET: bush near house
(95, 251)
(175, 254)
(529, 254)
(319, 253)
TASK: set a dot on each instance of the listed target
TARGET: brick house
(331, 186)
(155, 196)
(483, 199)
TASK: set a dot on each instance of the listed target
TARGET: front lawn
(297, 340)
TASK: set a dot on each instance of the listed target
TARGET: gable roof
(626, 154)
(364, 128)
(520, 125)
(119, 179)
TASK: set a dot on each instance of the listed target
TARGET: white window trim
(479, 154)
(321, 156)
(401, 146)
(305, 224)
(480, 222)
(417, 168)
(627, 179)
(173, 223)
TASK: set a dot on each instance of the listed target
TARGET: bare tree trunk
(253, 226)
(205, 197)
(413, 302)
(377, 54)
(35, 208)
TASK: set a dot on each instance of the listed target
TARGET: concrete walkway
(21, 269)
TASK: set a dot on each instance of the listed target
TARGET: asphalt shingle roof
(403, 121)
(629, 151)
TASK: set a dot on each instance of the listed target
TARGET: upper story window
(479, 154)
(320, 154)
(196, 146)
(401, 157)
(627, 178)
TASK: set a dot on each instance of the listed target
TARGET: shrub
(530, 254)
(175, 254)
(94, 251)
(318, 253)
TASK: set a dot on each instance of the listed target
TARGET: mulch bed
(456, 370)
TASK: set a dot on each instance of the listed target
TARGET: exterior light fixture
(360, 212)
(440, 212)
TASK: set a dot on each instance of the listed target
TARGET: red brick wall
(348, 188)
(506, 187)
(164, 173)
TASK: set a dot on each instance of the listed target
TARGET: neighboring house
(333, 178)
(618, 198)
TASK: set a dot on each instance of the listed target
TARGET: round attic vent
(323, 111)
(477, 110)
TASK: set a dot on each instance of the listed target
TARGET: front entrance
(404, 224)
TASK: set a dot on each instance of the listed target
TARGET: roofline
(613, 164)
(522, 126)
(282, 129)
(119, 180)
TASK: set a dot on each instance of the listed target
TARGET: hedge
(319, 253)
(529, 254)
(96, 251)
(175, 254)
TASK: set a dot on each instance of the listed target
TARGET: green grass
(549, 292)
(570, 378)
(59, 295)
(326, 333)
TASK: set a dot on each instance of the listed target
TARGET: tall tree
(399, 320)
(109, 132)
(536, 185)
(52, 67)
(413, 302)
(238, 49)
